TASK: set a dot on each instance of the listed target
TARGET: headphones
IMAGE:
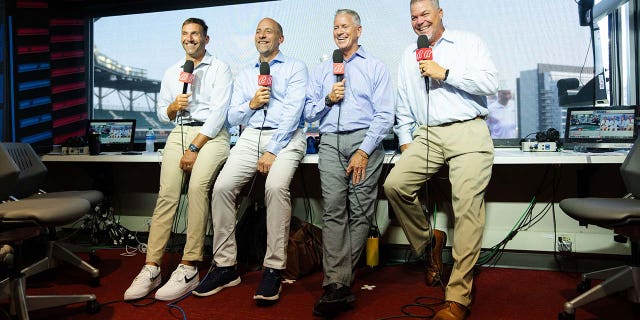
(551, 135)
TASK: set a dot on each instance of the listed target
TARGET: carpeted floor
(500, 294)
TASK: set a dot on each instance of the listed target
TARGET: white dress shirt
(210, 93)
(472, 76)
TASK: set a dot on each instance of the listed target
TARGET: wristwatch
(193, 148)
(328, 102)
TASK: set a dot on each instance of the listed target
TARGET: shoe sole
(174, 297)
(332, 308)
(136, 297)
(216, 290)
(272, 298)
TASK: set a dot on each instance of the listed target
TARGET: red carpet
(500, 294)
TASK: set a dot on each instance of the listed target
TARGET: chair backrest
(9, 172)
(630, 170)
(32, 171)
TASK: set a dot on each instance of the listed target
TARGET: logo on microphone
(264, 80)
(338, 68)
(186, 77)
(424, 54)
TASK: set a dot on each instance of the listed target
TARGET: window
(533, 43)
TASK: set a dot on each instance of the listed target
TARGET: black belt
(348, 131)
(266, 128)
(461, 121)
(193, 124)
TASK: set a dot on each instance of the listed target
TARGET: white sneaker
(147, 280)
(183, 280)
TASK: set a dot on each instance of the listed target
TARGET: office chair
(623, 216)
(22, 220)
(32, 173)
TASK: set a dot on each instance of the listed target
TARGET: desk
(517, 176)
(502, 156)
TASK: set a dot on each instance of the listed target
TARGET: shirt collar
(207, 59)
(360, 52)
(280, 58)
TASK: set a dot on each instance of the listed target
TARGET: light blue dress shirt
(368, 101)
(210, 93)
(472, 77)
(284, 110)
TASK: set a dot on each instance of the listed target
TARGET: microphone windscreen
(188, 66)
(423, 41)
(264, 68)
(338, 57)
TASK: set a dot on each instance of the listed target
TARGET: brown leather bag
(304, 250)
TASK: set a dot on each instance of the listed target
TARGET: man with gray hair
(355, 114)
(441, 125)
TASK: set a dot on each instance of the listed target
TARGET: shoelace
(148, 275)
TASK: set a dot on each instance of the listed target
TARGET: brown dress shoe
(434, 258)
(451, 311)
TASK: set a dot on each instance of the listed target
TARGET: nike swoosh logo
(156, 277)
(189, 279)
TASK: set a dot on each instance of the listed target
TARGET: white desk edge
(502, 156)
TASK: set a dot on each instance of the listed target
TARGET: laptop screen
(609, 127)
(115, 134)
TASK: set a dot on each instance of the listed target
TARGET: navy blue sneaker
(216, 280)
(270, 286)
(335, 299)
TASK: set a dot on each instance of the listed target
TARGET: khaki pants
(210, 159)
(241, 167)
(467, 149)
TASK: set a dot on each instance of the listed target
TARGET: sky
(519, 33)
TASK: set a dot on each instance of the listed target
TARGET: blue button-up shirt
(284, 110)
(368, 101)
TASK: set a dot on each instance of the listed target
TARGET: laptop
(603, 128)
(116, 135)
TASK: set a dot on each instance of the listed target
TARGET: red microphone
(338, 65)
(264, 79)
(424, 53)
(186, 75)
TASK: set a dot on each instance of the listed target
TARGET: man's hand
(188, 160)
(431, 69)
(262, 96)
(404, 147)
(180, 103)
(265, 162)
(358, 166)
(337, 91)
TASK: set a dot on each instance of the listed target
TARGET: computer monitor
(601, 127)
(115, 134)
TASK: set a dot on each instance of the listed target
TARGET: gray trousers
(345, 232)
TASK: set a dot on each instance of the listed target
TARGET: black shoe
(270, 286)
(216, 280)
(335, 299)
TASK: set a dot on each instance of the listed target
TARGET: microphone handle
(339, 77)
(184, 88)
(426, 83)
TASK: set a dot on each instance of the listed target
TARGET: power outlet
(565, 243)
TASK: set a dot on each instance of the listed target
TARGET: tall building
(538, 107)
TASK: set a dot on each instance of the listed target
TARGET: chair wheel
(566, 316)
(584, 286)
(94, 282)
(93, 307)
